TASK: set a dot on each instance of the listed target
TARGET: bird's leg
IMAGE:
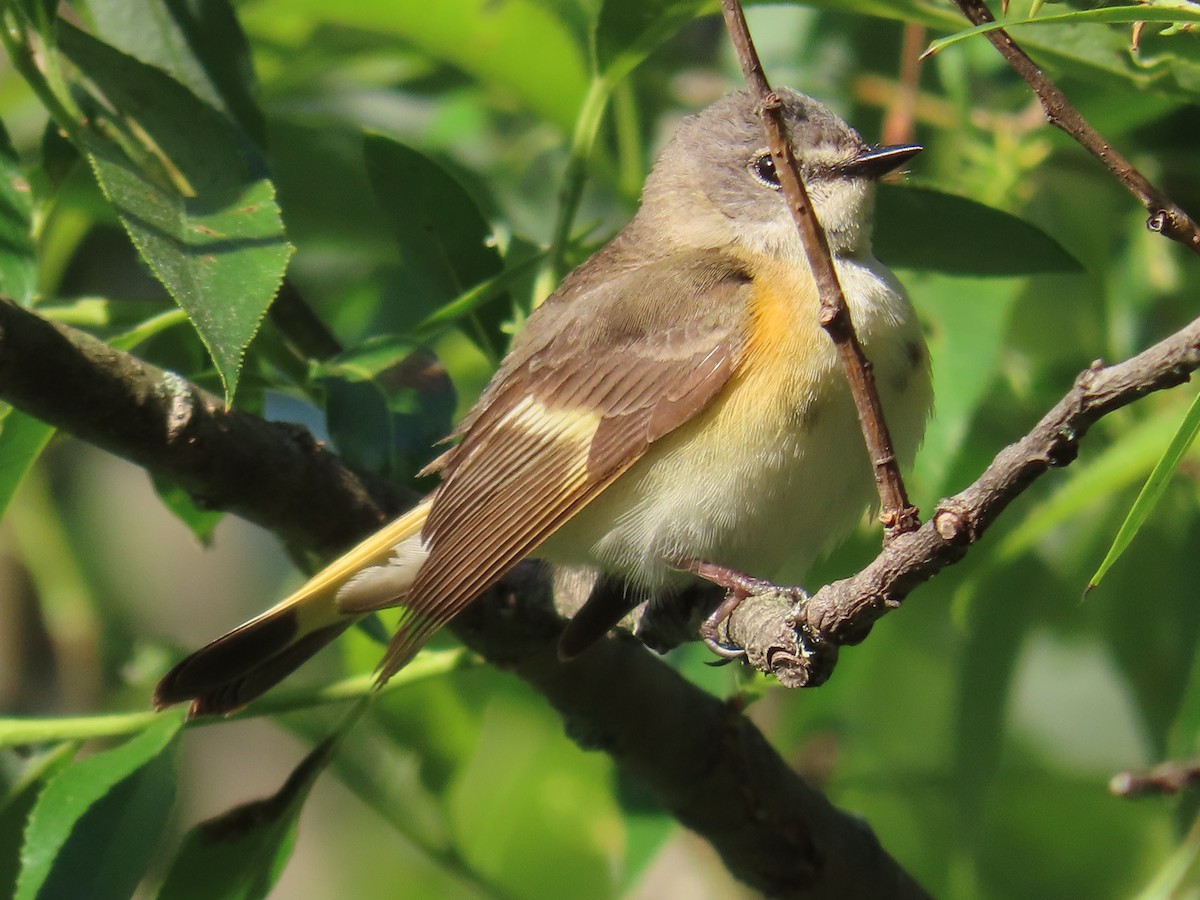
(738, 586)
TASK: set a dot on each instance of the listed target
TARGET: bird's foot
(738, 586)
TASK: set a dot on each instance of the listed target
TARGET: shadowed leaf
(920, 228)
(240, 854)
(98, 822)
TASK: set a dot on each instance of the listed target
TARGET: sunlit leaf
(1178, 877)
(98, 822)
(18, 264)
(1113, 15)
(1152, 490)
(519, 46)
(202, 217)
(19, 802)
(22, 440)
(627, 30)
(199, 43)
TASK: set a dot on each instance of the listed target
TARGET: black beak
(875, 162)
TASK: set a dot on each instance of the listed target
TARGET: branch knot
(953, 523)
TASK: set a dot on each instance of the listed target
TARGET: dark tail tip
(234, 669)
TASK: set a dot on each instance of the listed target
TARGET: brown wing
(598, 376)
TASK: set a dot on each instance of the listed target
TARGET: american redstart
(674, 405)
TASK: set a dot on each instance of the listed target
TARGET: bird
(673, 407)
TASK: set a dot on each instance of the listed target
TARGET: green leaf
(19, 802)
(513, 806)
(386, 404)
(1111, 840)
(995, 634)
(474, 299)
(920, 228)
(968, 326)
(1114, 15)
(444, 239)
(22, 440)
(240, 854)
(1180, 874)
(39, 14)
(18, 262)
(196, 147)
(1113, 469)
(387, 776)
(193, 203)
(1185, 728)
(98, 822)
(201, 522)
(519, 46)
(934, 13)
(628, 30)
(221, 257)
(1152, 490)
(199, 43)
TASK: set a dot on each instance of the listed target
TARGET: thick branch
(1165, 216)
(269, 472)
(896, 513)
(793, 643)
(705, 762)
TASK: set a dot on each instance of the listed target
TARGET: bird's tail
(239, 666)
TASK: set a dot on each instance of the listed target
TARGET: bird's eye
(762, 167)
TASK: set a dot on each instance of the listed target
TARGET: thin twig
(1166, 217)
(896, 513)
(271, 472)
(898, 125)
(1165, 778)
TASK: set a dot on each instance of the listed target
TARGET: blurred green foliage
(423, 172)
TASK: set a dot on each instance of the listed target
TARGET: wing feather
(569, 413)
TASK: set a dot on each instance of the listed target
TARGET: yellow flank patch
(783, 323)
(572, 425)
(785, 346)
(784, 360)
